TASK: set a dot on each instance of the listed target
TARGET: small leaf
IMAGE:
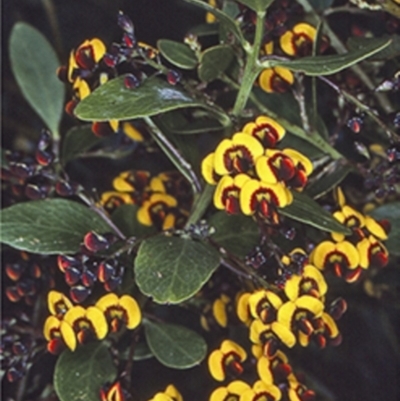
(391, 212)
(172, 269)
(34, 64)
(257, 5)
(178, 54)
(125, 217)
(79, 375)
(114, 101)
(327, 65)
(78, 141)
(389, 52)
(175, 346)
(328, 182)
(225, 19)
(214, 61)
(238, 234)
(307, 211)
(49, 226)
(142, 352)
(204, 30)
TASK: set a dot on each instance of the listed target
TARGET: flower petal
(98, 320)
(133, 312)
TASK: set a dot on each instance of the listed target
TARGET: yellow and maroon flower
(266, 130)
(298, 315)
(58, 303)
(120, 311)
(372, 252)
(342, 258)
(276, 80)
(113, 199)
(113, 392)
(262, 391)
(237, 155)
(271, 336)
(81, 88)
(297, 391)
(158, 210)
(52, 333)
(231, 392)
(227, 193)
(263, 305)
(262, 199)
(350, 218)
(285, 165)
(276, 369)
(226, 360)
(299, 40)
(86, 324)
(171, 393)
(132, 181)
(310, 282)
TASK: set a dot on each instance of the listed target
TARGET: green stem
(200, 205)
(252, 68)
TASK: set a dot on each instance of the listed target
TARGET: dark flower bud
(44, 158)
(95, 242)
(72, 275)
(131, 81)
(105, 271)
(88, 278)
(173, 77)
(79, 293)
(125, 23)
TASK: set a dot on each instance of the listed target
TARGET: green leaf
(142, 352)
(328, 181)
(178, 54)
(307, 211)
(238, 234)
(225, 19)
(114, 101)
(204, 30)
(391, 212)
(34, 64)
(200, 204)
(175, 346)
(125, 218)
(77, 142)
(214, 61)
(327, 65)
(320, 5)
(79, 375)
(257, 5)
(49, 226)
(172, 269)
(389, 52)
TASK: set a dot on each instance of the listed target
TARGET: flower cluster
(251, 175)
(69, 325)
(170, 393)
(164, 200)
(347, 256)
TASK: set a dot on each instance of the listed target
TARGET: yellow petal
(320, 254)
(107, 301)
(269, 47)
(130, 131)
(292, 287)
(143, 214)
(58, 303)
(219, 312)
(51, 324)
(264, 170)
(301, 159)
(98, 320)
(207, 169)
(286, 313)
(286, 43)
(265, 80)
(246, 195)
(375, 228)
(313, 273)
(219, 156)
(350, 253)
(157, 184)
(132, 309)
(284, 334)
(331, 324)
(219, 394)
(215, 365)
(311, 304)
(264, 370)
(75, 313)
(224, 185)
(228, 346)
(237, 387)
(257, 327)
(285, 74)
(82, 88)
(99, 49)
(305, 29)
(114, 124)
(173, 392)
(68, 335)
(363, 250)
(242, 308)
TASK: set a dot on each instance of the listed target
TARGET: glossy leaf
(177, 53)
(328, 182)
(50, 226)
(238, 234)
(172, 269)
(257, 5)
(175, 346)
(307, 211)
(79, 375)
(223, 18)
(389, 52)
(77, 141)
(391, 212)
(125, 217)
(327, 65)
(114, 101)
(214, 61)
(34, 64)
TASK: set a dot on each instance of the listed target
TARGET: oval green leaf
(390, 52)
(328, 182)
(391, 212)
(307, 211)
(327, 65)
(125, 218)
(214, 61)
(257, 5)
(34, 64)
(172, 269)
(79, 375)
(49, 226)
(178, 54)
(238, 234)
(78, 141)
(114, 101)
(175, 346)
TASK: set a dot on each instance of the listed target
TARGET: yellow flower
(276, 79)
(262, 391)
(298, 40)
(263, 305)
(228, 358)
(113, 199)
(58, 303)
(266, 130)
(157, 210)
(231, 392)
(227, 193)
(171, 393)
